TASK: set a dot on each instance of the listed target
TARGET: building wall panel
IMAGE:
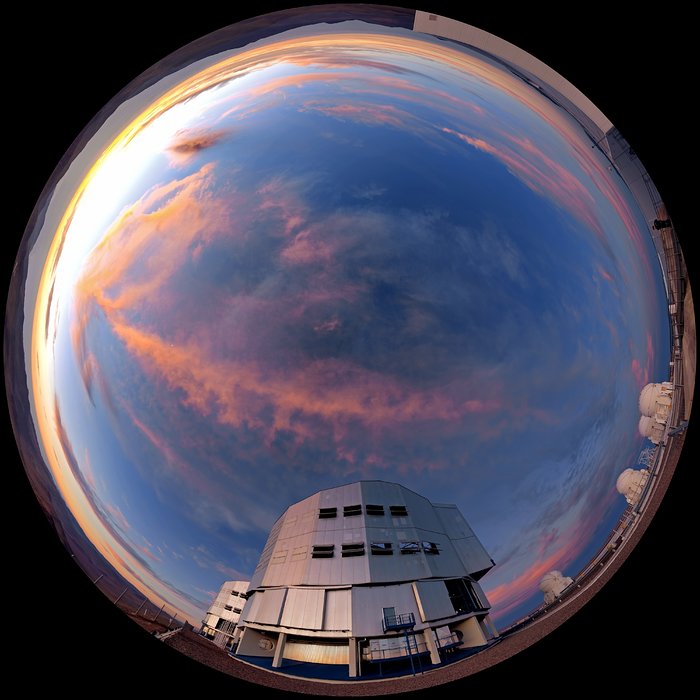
(338, 610)
(368, 603)
(303, 608)
(433, 600)
(252, 606)
(270, 607)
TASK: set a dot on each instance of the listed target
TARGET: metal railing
(398, 622)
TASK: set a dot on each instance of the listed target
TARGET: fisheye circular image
(350, 346)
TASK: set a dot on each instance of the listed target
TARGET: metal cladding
(552, 585)
(348, 574)
(224, 613)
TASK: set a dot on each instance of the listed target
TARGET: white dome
(655, 398)
(552, 584)
(630, 484)
(652, 428)
(645, 426)
(648, 397)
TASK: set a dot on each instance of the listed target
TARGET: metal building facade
(362, 573)
(224, 613)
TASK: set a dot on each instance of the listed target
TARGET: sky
(349, 253)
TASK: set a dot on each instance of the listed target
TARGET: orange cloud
(543, 175)
(236, 392)
(118, 516)
(173, 217)
(508, 596)
(371, 114)
(604, 274)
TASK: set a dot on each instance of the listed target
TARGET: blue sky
(373, 258)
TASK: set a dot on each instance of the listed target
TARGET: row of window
(230, 607)
(236, 594)
(357, 549)
(348, 511)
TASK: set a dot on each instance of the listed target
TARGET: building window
(244, 596)
(238, 610)
(352, 510)
(374, 510)
(227, 607)
(462, 596)
(322, 551)
(225, 625)
(381, 548)
(398, 511)
(356, 549)
(431, 548)
(327, 512)
(409, 547)
(234, 593)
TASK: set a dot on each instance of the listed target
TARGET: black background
(634, 68)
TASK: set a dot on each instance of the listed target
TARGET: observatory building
(366, 573)
(222, 617)
(655, 402)
(631, 484)
(552, 585)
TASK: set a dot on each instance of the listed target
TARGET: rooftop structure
(364, 573)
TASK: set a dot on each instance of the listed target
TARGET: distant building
(365, 573)
(222, 617)
(631, 484)
(655, 402)
(553, 584)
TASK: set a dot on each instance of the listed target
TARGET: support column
(492, 627)
(430, 642)
(352, 657)
(279, 650)
(241, 636)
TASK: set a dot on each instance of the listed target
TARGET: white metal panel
(337, 612)
(270, 607)
(303, 608)
(252, 606)
(473, 554)
(433, 600)
(368, 603)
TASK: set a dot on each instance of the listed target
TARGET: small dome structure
(651, 428)
(631, 483)
(655, 400)
(645, 423)
(647, 399)
(552, 585)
